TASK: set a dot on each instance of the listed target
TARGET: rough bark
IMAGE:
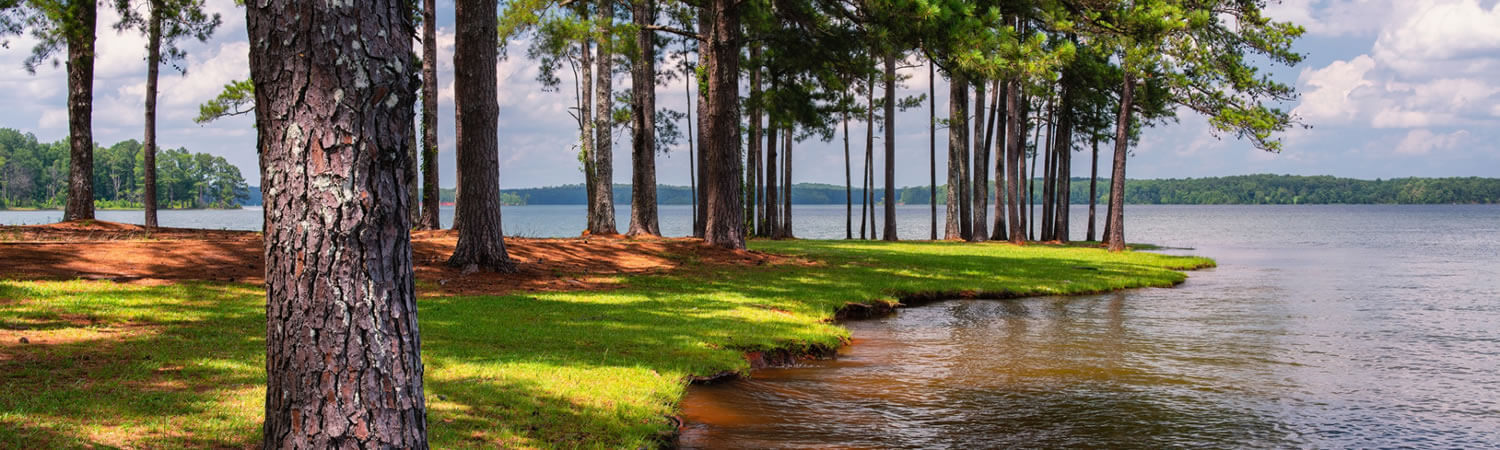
(413, 191)
(148, 148)
(958, 142)
(1093, 189)
(724, 225)
(890, 148)
(773, 178)
(603, 220)
(481, 243)
(431, 199)
(1049, 164)
(1116, 234)
(586, 125)
(705, 23)
(1002, 92)
(643, 217)
(1015, 128)
(1062, 151)
(80, 38)
(342, 347)
(980, 177)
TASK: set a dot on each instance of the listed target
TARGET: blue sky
(1391, 88)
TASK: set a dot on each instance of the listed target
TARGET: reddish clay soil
(131, 253)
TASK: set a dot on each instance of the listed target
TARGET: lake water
(1323, 326)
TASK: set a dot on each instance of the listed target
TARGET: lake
(1323, 326)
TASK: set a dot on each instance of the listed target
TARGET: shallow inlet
(1326, 327)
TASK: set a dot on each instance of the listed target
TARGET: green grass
(183, 365)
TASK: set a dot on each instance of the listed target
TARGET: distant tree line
(34, 174)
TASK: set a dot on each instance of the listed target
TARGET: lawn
(182, 364)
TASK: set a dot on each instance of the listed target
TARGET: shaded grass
(183, 365)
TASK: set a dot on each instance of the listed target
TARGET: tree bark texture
(334, 113)
(725, 224)
(1116, 234)
(431, 198)
(958, 142)
(980, 175)
(148, 148)
(755, 168)
(705, 24)
(867, 200)
(603, 220)
(773, 179)
(1015, 129)
(1062, 168)
(1093, 189)
(1002, 129)
(80, 39)
(643, 217)
(890, 148)
(481, 242)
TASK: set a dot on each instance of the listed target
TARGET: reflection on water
(1323, 327)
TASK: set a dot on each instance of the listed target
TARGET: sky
(1390, 88)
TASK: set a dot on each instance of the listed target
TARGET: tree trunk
(704, 24)
(773, 177)
(603, 221)
(1062, 170)
(413, 208)
(725, 224)
(1002, 93)
(932, 144)
(343, 353)
(481, 243)
(643, 217)
(867, 200)
(890, 148)
(687, 86)
(848, 186)
(1048, 166)
(981, 176)
(80, 42)
(786, 184)
(1093, 189)
(586, 127)
(754, 226)
(1015, 129)
(148, 148)
(1116, 233)
(431, 199)
(958, 97)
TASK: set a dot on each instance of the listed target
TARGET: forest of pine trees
(35, 176)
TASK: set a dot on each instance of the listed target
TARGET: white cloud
(1443, 38)
(1423, 141)
(1338, 17)
(1328, 99)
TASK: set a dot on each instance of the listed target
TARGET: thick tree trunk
(80, 42)
(603, 221)
(725, 224)
(958, 142)
(1015, 129)
(431, 198)
(1116, 234)
(148, 148)
(754, 226)
(481, 243)
(1093, 189)
(890, 148)
(643, 217)
(343, 353)
(932, 144)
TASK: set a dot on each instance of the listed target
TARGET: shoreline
(594, 345)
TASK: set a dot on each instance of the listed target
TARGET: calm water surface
(1324, 326)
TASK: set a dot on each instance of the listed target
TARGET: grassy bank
(182, 364)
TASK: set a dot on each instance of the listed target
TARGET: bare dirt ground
(131, 253)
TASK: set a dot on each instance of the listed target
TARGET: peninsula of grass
(181, 364)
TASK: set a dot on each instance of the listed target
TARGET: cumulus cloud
(1329, 89)
(1423, 141)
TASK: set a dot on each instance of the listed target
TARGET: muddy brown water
(1323, 327)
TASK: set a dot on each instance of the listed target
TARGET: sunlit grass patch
(182, 365)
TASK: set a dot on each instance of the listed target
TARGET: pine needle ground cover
(182, 364)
